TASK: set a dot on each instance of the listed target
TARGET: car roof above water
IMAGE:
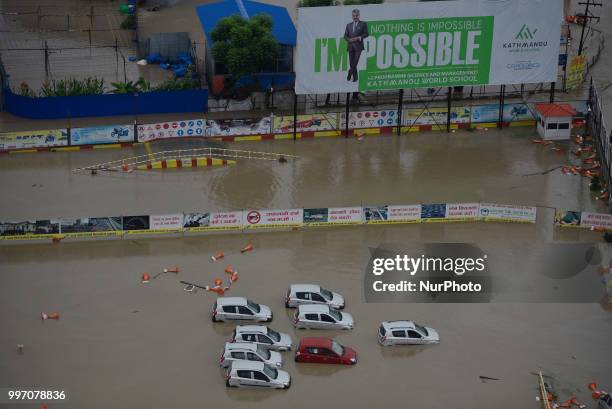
(315, 288)
(247, 365)
(249, 346)
(232, 301)
(313, 308)
(318, 342)
(252, 328)
(391, 325)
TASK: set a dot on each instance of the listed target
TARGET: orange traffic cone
(217, 256)
(174, 270)
(598, 229)
(145, 278)
(596, 394)
(49, 316)
(229, 270)
(234, 277)
(246, 248)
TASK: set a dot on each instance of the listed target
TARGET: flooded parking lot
(155, 344)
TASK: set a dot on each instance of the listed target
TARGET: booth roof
(555, 110)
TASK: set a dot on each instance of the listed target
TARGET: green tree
(245, 46)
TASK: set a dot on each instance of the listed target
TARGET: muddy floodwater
(122, 344)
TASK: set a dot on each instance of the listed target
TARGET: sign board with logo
(102, 134)
(314, 122)
(273, 218)
(427, 44)
(33, 139)
(369, 119)
(389, 214)
(507, 213)
(456, 212)
(576, 71)
(435, 116)
(589, 220)
(324, 216)
(173, 129)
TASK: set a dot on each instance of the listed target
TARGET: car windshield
(327, 294)
(253, 306)
(421, 329)
(274, 335)
(263, 352)
(271, 372)
(335, 314)
(337, 348)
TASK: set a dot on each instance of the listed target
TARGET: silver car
(298, 294)
(256, 375)
(262, 335)
(240, 308)
(406, 333)
(248, 351)
(321, 317)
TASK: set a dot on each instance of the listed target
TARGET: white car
(299, 294)
(262, 335)
(256, 374)
(406, 333)
(240, 308)
(321, 317)
(247, 351)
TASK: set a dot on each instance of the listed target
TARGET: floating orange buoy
(596, 394)
(246, 248)
(229, 270)
(174, 270)
(216, 289)
(234, 277)
(145, 278)
(218, 256)
(49, 316)
(218, 281)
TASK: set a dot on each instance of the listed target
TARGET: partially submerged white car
(256, 374)
(240, 308)
(248, 351)
(406, 333)
(262, 335)
(299, 294)
(321, 317)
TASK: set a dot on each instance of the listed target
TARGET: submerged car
(406, 333)
(240, 308)
(262, 335)
(298, 294)
(248, 351)
(324, 351)
(257, 375)
(321, 317)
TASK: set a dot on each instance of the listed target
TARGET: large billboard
(432, 44)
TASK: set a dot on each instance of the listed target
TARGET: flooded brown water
(123, 344)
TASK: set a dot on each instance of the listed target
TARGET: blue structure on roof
(283, 28)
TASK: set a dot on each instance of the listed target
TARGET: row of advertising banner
(584, 220)
(200, 127)
(264, 219)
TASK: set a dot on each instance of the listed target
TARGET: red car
(324, 351)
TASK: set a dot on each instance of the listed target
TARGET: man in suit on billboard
(354, 34)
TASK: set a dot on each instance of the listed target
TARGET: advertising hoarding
(311, 122)
(102, 134)
(33, 139)
(172, 129)
(273, 218)
(427, 44)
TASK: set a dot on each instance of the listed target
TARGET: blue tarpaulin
(283, 28)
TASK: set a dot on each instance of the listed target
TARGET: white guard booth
(555, 121)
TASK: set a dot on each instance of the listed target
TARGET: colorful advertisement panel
(273, 218)
(91, 227)
(369, 119)
(324, 216)
(314, 122)
(575, 72)
(226, 220)
(102, 134)
(485, 113)
(33, 139)
(427, 44)
(507, 213)
(435, 116)
(601, 220)
(137, 224)
(173, 129)
(237, 127)
(29, 229)
(435, 212)
(392, 214)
